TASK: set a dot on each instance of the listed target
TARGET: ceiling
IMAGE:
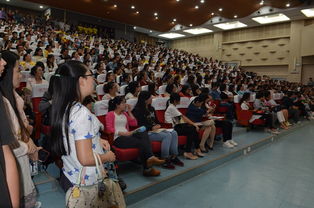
(183, 11)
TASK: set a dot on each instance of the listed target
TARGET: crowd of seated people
(144, 72)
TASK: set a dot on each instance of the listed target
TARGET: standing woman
(9, 176)
(145, 115)
(75, 131)
(24, 148)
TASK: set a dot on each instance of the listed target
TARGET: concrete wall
(275, 50)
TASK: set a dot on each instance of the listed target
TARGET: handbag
(105, 194)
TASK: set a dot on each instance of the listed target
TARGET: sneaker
(228, 145)
(151, 172)
(177, 161)
(154, 161)
(233, 143)
(38, 204)
(168, 165)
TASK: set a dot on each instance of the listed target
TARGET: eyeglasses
(87, 75)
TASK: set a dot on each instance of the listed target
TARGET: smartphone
(43, 155)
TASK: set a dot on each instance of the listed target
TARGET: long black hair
(114, 102)
(131, 88)
(66, 93)
(141, 101)
(245, 97)
(7, 88)
(173, 98)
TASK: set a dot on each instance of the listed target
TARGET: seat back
(145, 88)
(38, 91)
(160, 105)
(122, 89)
(101, 107)
(132, 102)
(101, 78)
(100, 91)
(162, 89)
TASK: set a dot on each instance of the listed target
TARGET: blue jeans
(169, 142)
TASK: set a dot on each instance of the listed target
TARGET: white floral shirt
(82, 125)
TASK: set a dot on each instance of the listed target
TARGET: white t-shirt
(171, 113)
(245, 106)
(120, 122)
(82, 125)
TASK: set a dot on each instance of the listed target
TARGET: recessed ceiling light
(172, 23)
(220, 9)
(156, 17)
(177, 0)
(197, 31)
(137, 12)
(308, 12)
(115, 5)
(230, 25)
(202, 1)
(191, 25)
(174, 19)
(150, 31)
(261, 3)
(171, 35)
(196, 7)
(288, 5)
(7, 0)
(271, 18)
(235, 16)
(132, 7)
(212, 14)
(41, 7)
(134, 28)
(155, 14)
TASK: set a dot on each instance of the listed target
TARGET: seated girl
(146, 116)
(184, 127)
(118, 122)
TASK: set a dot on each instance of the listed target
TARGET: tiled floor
(277, 176)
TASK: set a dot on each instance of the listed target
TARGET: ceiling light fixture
(132, 7)
(197, 31)
(115, 5)
(155, 14)
(134, 28)
(308, 12)
(271, 18)
(191, 25)
(196, 7)
(7, 0)
(220, 9)
(235, 16)
(41, 7)
(177, 0)
(137, 12)
(156, 18)
(212, 14)
(150, 31)
(261, 3)
(174, 19)
(288, 5)
(171, 35)
(230, 25)
(202, 1)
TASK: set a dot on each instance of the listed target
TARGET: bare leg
(205, 136)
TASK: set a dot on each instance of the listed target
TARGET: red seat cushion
(36, 102)
(126, 154)
(182, 140)
(156, 146)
